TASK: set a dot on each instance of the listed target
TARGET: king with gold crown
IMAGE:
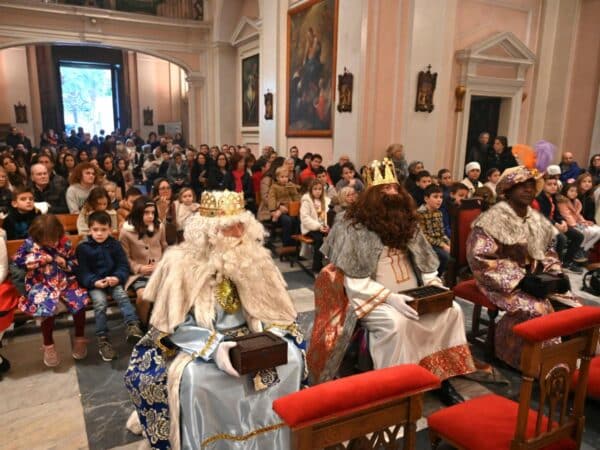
(375, 251)
(218, 284)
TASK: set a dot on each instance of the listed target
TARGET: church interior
(403, 194)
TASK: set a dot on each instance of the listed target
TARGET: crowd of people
(382, 229)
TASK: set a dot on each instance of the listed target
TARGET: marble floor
(84, 405)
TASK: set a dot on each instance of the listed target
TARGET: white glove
(398, 301)
(222, 358)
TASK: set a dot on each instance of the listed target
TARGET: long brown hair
(392, 217)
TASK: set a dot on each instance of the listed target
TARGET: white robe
(396, 339)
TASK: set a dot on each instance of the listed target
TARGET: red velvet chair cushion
(488, 422)
(469, 291)
(593, 388)
(562, 323)
(353, 393)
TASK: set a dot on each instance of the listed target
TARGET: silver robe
(218, 411)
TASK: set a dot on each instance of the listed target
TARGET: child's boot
(50, 356)
(79, 350)
(106, 350)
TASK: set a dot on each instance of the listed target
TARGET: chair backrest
(12, 247)
(376, 403)
(461, 218)
(69, 222)
(552, 368)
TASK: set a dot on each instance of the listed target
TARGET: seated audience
(199, 174)
(311, 170)
(184, 206)
(568, 239)
(313, 219)
(217, 178)
(178, 173)
(17, 176)
(98, 200)
(82, 181)
(21, 213)
(329, 190)
(346, 197)
(411, 180)
(126, 204)
(349, 178)
(422, 181)
(432, 225)
(5, 192)
(266, 181)
(51, 285)
(585, 194)
(111, 189)
(594, 168)
(570, 208)
(239, 180)
(104, 270)
(113, 174)
(395, 152)
(66, 165)
(143, 240)
(126, 173)
(45, 191)
(500, 157)
(445, 181)
(281, 193)
(163, 196)
(569, 169)
(471, 181)
(335, 170)
(491, 180)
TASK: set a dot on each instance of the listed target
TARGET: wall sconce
(459, 93)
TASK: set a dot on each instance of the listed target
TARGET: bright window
(87, 97)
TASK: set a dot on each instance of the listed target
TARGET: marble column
(196, 102)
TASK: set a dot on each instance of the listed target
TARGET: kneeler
(493, 422)
(339, 414)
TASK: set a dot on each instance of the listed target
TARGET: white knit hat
(553, 169)
(471, 166)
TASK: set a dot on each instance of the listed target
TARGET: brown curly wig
(392, 217)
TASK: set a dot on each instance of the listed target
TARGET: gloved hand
(398, 301)
(222, 359)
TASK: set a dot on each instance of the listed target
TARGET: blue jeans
(100, 299)
(443, 256)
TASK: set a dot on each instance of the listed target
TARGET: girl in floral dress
(51, 285)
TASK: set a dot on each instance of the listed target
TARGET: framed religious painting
(311, 52)
(250, 68)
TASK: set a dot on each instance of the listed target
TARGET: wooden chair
(69, 222)
(380, 402)
(461, 219)
(495, 422)
(593, 389)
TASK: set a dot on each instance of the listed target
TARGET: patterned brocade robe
(500, 248)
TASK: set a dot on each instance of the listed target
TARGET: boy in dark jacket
(103, 270)
(20, 214)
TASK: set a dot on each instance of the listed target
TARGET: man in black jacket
(51, 191)
(567, 238)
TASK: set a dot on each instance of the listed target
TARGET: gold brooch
(227, 295)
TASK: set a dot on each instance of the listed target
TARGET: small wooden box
(258, 351)
(429, 299)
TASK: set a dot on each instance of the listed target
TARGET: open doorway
(484, 116)
(88, 97)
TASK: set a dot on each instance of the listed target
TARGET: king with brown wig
(375, 251)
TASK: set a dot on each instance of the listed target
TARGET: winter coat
(571, 212)
(98, 260)
(282, 195)
(309, 218)
(141, 252)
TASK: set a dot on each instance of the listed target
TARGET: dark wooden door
(484, 115)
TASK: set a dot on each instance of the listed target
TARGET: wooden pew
(69, 222)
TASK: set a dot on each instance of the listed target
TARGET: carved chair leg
(434, 439)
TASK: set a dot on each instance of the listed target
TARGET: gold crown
(380, 172)
(221, 203)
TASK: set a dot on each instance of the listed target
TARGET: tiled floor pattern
(85, 405)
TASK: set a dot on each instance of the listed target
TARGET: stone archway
(184, 42)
